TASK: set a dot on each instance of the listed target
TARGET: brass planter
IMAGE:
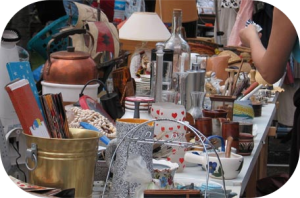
(65, 163)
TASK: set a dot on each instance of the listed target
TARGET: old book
(42, 191)
(26, 107)
(22, 70)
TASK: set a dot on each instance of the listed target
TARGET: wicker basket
(238, 49)
(201, 46)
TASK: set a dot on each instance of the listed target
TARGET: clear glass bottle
(182, 51)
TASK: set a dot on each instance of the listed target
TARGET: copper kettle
(69, 67)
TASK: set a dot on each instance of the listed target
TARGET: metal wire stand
(202, 139)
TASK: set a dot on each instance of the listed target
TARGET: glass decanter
(177, 43)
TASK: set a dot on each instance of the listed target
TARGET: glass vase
(197, 100)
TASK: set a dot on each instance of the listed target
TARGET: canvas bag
(105, 33)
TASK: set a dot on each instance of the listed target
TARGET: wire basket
(147, 140)
(39, 42)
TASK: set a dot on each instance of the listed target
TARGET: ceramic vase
(120, 188)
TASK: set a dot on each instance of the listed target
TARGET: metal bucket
(63, 163)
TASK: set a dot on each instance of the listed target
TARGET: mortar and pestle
(232, 163)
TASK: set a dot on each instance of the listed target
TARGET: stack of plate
(143, 85)
(144, 107)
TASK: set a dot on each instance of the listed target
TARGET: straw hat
(246, 66)
(234, 58)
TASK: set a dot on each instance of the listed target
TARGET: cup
(204, 125)
(202, 59)
(166, 76)
(231, 129)
(246, 127)
(169, 96)
(257, 107)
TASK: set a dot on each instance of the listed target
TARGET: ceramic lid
(246, 136)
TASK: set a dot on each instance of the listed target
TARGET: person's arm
(271, 62)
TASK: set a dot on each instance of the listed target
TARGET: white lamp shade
(144, 26)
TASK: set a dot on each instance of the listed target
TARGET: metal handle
(31, 153)
(65, 34)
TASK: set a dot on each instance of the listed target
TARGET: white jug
(8, 53)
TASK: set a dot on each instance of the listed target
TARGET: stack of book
(40, 116)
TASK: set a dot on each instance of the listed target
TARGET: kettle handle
(65, 34)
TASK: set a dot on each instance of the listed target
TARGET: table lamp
(143, 27)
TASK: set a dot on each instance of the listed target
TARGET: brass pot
(69, 67)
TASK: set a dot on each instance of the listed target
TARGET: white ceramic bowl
(191, 164)
(70, 93)
(231, 166)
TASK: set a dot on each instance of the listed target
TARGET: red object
(26, 107)
(250, 88)
(209, 25)
(107, 6)
(87, 102)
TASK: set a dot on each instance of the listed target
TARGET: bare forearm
(271, 62)
(267, 64)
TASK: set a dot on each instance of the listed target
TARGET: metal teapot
(69, 67)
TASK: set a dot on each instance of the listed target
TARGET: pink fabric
(245, 13)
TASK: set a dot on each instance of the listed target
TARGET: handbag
(123, 84)
(109, 101)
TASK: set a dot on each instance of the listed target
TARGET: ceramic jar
(120, 188)
(164, 171)
(246, 144)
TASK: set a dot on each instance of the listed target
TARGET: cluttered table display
(239, 184)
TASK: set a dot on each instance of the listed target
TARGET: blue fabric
(38, 73)
(296, 51)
